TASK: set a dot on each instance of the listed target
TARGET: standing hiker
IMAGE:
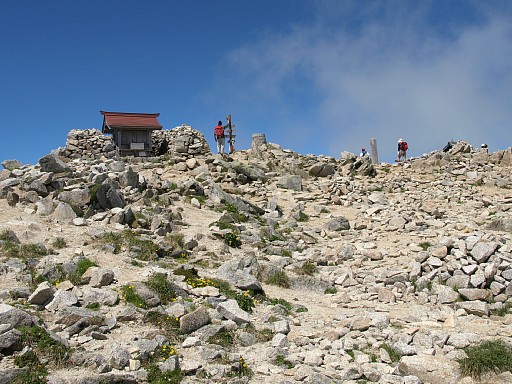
(218, 135)
(402, 150)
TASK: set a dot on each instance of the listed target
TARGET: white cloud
(386, 77)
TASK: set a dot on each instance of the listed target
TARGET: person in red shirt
(218, 135)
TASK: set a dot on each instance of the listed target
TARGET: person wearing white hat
(402, 150)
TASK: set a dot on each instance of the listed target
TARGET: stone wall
(88, 144)
(182, 141)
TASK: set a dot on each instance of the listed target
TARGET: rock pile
(272, 267)
(88, 144)
(182, 141)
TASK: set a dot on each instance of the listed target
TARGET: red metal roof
(129, 120)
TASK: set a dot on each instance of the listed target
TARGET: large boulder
(51, 163)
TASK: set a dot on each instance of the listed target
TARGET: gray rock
(50, 163)
(321, 170)
(64, 212)
(101, 296)
(42, 294)
(62, 299)
(337, 224)
(11, 164)
(129, 178)
(293, 182)
(119, 357)
(150, 297)
(231, 311)
(79, 197)
(12, 198)
(252, 171)
(14, 316)
(98, 277)
(477, 308)
(472, 294)
(194, 320)
(483, 250)
(10, 341)
(431, 369)
(280, 340)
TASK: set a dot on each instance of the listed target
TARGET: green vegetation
(502, 311)
(282, 302)
(156, 376)
(394, 355)
(233, 239)
(129, 295)
(264, 335)
(200, 198)
(159, 284)
(175, 240)
(93, 306)
(279, 278)
(244, 299)
(308, 268)
(59, 243)
(303, 217)
(282, 361)
(223, 338)
(130, 241)
(331, 290)
(168, 324)
(44, 353)
(235, 213)
(82, 266)
(10, 248)
(488, 356)
(425, 245)
(286, 253)
(243, 368)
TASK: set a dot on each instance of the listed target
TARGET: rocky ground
(266, 266)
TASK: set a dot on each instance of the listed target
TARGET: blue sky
(316, 77)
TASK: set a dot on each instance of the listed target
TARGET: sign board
(136, 145)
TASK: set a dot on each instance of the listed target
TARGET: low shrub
(279, 278)
(488, 356)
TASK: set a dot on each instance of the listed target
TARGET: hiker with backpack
(402, 150)
(218, 135)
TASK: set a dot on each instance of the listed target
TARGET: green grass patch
(233, 239)
(156, 376)
(159, 284)
(82, 266)
(223, 338)
(59, 243)
(394, 355)
(502, 311)
(45, 353)
(308, 268)
(279, 278)
(128, 240)
(282, 302)
(303, 217)
(128, 294)
(235, 213)
(425, 245)
(493, 356)
(330, 290)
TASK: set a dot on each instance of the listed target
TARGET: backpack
(218, 131)
(404, 146)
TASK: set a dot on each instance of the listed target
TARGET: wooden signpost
(231, 129)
